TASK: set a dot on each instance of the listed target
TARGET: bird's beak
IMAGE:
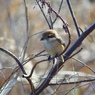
(42, 38)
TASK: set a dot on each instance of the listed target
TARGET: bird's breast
(53, 47)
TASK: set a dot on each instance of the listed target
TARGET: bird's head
(49, 35)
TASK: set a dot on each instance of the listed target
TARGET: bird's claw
(56, 55)
(49, 58)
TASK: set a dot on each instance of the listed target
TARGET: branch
(58, 11)
(43, 13)
(15, 58)
(75, 82)
(79, 41)
(73, 17)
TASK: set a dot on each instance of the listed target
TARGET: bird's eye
(50, 36)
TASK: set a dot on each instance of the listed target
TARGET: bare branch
(73, 17)
(79, 41)
(58, 11)
(43, 13)
(15, 58)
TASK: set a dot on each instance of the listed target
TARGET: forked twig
(58, 11)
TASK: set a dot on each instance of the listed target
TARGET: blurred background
(13, 36)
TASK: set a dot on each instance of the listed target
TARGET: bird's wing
(60, 41)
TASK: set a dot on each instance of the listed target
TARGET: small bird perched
(53, 43)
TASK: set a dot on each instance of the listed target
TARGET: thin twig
(34, 68)
(43, 14)
(56, 89)
(73, 17)
(92, 85)
(50, 16)
(81, 65)
(75, 82)
(23, 52)
(84, 65)
(37, 55)
(58, 11)
(71, 89)
(26, 16)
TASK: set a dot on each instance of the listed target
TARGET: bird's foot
(49, 58)
(56, 55)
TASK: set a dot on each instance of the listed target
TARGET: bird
(53, 44)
